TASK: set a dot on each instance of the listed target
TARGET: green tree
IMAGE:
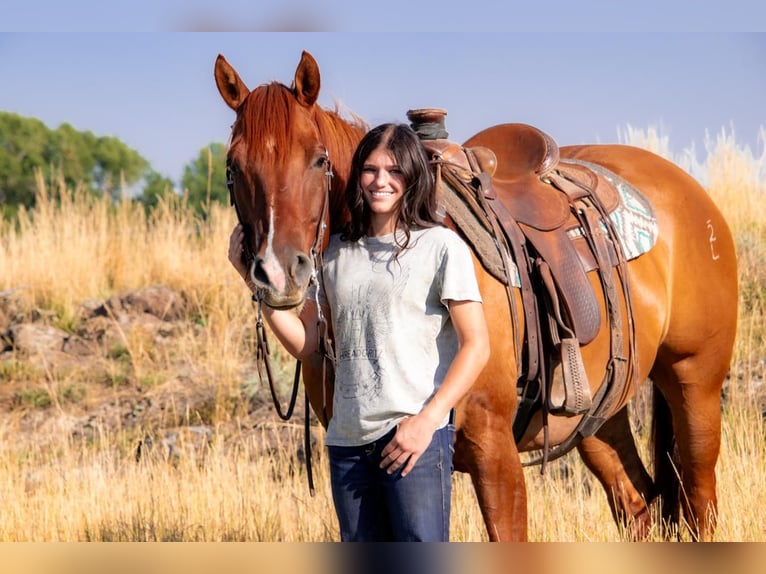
(23, 146)
(204, 179)
(156, 187)
(116, 163)
(70, 153)
(101, 164)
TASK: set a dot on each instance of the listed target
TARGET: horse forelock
(264, 123)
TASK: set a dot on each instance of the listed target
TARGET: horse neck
(341, 137)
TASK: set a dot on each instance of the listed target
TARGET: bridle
(248, 252)
(316, 248)
(325, 347)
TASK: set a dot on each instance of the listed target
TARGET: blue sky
(155, 91)
(389, 16)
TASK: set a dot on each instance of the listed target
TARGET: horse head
(281, 178)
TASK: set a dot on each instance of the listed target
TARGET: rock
(79, 347)
(150, 324)
(5, 321)
(90, 308)
(32, 338)
(158, 300)
(102, 330)
(171, 445)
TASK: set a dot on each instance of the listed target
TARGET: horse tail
(667, 465)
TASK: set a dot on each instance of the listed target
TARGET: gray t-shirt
(393, 337)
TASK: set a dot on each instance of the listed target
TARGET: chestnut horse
(683, 291)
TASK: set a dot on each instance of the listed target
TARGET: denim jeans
(374, 506)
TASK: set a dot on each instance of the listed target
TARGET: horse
(289, 160)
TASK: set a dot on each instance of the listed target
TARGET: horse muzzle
(283, 286)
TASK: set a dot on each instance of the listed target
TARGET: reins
(263, 350)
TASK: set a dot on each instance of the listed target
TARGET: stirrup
(570, 395)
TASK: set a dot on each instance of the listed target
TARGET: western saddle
(541, 223)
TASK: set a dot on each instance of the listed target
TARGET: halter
(325, 346)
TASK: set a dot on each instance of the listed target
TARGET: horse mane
(342, 137)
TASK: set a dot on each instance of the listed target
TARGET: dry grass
(58, 488)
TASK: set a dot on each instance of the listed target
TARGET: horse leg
(484, 443)
(487, 451)
(691, 386)
(612, 456)
(689, 370)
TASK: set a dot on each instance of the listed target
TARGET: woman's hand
(237, 251)
(413, 435)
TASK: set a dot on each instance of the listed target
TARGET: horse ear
(233, 90)
(306, 83)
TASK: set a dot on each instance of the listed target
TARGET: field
(132, 409)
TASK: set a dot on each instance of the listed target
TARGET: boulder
(157, 300)
(34, 338)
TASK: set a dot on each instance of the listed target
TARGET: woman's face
(383, 185)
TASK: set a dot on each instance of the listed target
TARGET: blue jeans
(374, 506)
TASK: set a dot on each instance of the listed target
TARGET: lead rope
(262, 362)
(262, 347)
(262, 358)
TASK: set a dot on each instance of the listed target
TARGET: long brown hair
(418, 206)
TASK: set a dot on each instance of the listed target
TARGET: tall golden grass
(74, 246)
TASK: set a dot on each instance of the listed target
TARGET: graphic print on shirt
(368, 321)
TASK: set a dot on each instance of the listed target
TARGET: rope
(430, 130)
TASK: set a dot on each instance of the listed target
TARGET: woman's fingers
(405, 448)
(236, 248)
(395, 460)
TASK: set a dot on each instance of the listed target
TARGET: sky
(383, 16)
(155, 90)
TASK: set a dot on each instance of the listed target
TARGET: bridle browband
(325, 347)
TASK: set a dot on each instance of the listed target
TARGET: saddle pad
(634, 217)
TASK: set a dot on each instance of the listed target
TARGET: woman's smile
(383, 185)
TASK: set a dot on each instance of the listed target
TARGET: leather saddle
(535, 187)
(551, 216)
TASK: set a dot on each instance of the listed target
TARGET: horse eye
(320, 162)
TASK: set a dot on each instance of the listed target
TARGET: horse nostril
(258, 273)
(302, 268)
(267, 272)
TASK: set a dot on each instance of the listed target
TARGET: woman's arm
(297, 332)
(415, 433)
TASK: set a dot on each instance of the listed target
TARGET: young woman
(410, 338)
